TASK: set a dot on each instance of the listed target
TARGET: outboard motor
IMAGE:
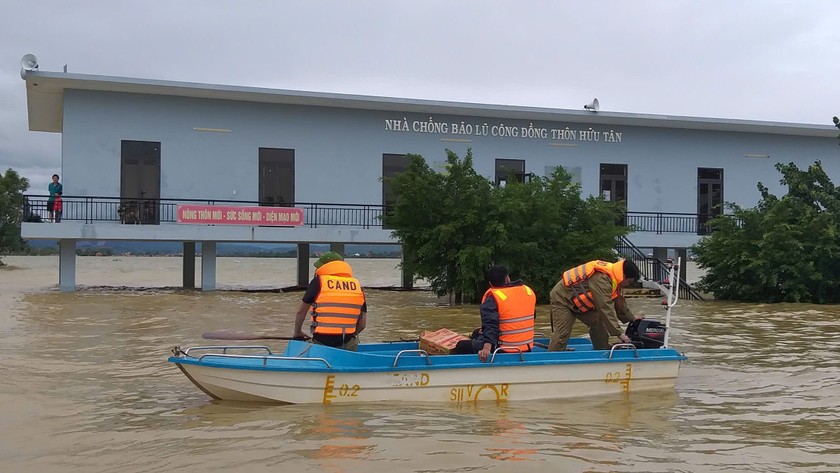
(645, 333)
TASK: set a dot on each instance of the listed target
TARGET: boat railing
(265, 358)
(225, 348)
(414, 352)
(624, 346)
(497, 350)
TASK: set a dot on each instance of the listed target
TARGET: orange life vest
(517, 305)
(576, 278)
(339, 303)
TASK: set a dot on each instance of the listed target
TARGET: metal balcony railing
(669, 222)
(92, 209)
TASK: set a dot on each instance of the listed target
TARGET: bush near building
(783, 250)
(454, 224)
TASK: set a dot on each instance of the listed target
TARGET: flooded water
(86, 386)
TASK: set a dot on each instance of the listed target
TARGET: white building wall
(338, 152)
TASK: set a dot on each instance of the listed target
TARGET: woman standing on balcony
(55, 187)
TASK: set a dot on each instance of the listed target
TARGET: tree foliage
(12, 187)
(548, 228)
(434, 213)
(784, 250)
(453, 225)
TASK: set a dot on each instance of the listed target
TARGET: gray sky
(756, 60)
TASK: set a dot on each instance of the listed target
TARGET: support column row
(208, 265)
(67, 265)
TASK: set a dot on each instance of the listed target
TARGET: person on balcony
(339, 309)
(507, 312)
(54, 187)
(592, 293)
(58, 206)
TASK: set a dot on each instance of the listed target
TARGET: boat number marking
(410, 379)
(344, 390)
(617, 377)
(471, 392)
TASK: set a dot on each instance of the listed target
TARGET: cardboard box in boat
(440, 342)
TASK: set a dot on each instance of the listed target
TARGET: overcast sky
(756, 60)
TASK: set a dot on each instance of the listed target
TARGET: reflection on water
(86, 388)
(468, 434)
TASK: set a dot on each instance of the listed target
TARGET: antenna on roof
(592, 106)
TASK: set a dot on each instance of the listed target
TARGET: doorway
(614, 188)
(392, 164)
(507, 167)
(709, 197)
(139, 182)
(277, 177)
(614, 183)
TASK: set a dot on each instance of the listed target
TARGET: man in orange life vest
(507, 317)
(339, 310)
(591, 293)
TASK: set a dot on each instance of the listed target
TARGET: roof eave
(45, 93)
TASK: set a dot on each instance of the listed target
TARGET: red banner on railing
(232, 215)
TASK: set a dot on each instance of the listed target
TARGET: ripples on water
(86, 388)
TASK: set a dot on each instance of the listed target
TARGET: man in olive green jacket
(610, 308)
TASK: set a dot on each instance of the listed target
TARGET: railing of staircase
(653, 268)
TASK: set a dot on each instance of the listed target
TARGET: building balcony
(112, 218)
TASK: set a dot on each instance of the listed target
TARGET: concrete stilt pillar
(208, 266)
(662, 255)
(683, 253)
(303, 264)
(189, 265)
(407, 277)
(67, 265)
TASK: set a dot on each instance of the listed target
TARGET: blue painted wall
(338, 152)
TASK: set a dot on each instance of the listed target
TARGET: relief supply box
(440, 342)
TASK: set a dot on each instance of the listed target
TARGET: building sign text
(501, 130)
(232, 215)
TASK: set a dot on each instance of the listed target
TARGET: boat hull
(313, 374)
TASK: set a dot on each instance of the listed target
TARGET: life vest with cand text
(339, 303)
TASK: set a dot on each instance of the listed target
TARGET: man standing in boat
(339, 310)
(507, 317)
(592, 293)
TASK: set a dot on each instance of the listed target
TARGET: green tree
(547, 228)
(453, 225)
(12, 187)
(784, 250)
(443, 221)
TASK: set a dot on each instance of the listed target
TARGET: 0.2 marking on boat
(615, 377)
(344, 390)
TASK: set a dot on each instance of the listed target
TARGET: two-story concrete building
(134, 149)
